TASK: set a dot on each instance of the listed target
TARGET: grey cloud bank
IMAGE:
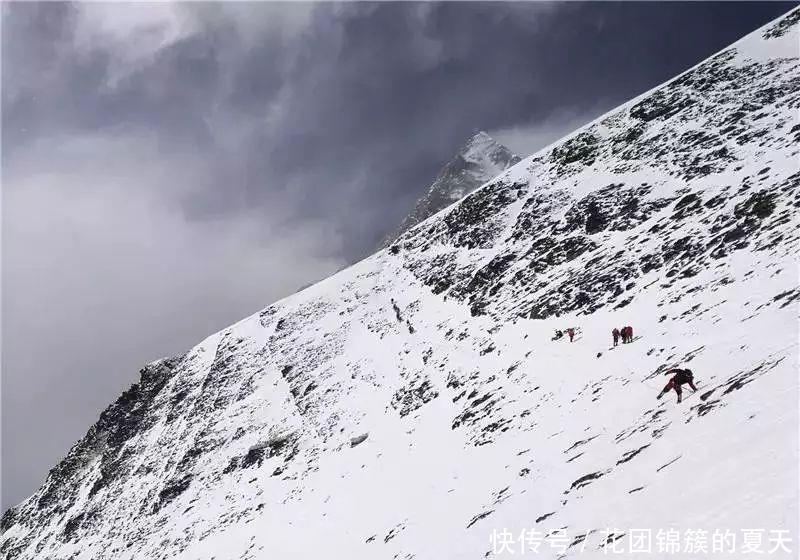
(170, 168)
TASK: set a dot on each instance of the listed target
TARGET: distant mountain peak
(479, 138)
(479, 160)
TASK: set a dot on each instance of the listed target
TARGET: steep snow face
(415, 404)
(478, 161)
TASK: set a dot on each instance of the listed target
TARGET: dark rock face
(172, 490)
(581, 148)
(783, 26)
(103, 450)
(409, 398)
(613, 208)
(478, 161)
(117, 424)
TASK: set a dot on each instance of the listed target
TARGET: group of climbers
(626, 333)
(679, 376)
(559, 333)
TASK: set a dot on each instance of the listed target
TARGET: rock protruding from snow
(482, 158)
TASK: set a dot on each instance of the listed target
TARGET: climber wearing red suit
(681, 376)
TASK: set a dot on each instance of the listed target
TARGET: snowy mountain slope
(414, 405)
(482, 158)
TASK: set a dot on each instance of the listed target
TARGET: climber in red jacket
(681, 376)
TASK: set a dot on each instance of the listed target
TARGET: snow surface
(676, 213)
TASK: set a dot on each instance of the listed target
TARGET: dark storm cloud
(377, 96)
(363, 102)
(168, 169)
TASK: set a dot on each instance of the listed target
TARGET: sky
(168, 169)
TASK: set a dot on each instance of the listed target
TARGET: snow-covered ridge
(480, 159)
(409, 406)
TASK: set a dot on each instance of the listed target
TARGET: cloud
(109, 214)
(528, 138)
(252, 20)
(132, 34)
